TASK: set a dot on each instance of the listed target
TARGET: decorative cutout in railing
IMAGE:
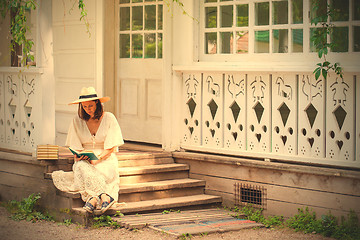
(20, 110)
(284, 116)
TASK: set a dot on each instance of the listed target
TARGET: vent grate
(246, 194)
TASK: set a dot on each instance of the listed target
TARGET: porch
(154, 180)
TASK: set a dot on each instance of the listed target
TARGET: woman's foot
(106, 202)
(90, 204)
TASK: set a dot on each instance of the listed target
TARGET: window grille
(246, 194)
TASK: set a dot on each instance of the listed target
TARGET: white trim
(274, 157)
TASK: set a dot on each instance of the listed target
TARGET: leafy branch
(322, 46)
(18, 25)
(181, 5)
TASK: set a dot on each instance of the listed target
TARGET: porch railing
(272, 115)
(20, 108)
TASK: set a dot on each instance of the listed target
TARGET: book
(90, 154)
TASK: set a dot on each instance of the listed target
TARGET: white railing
(272, 115)
(20, 108)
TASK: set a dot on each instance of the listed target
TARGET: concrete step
(151, 173)
(160, 204)
(160, 189)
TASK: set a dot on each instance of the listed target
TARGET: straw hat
(89, 94)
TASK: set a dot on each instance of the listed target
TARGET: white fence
(273, 115)
(20, 109)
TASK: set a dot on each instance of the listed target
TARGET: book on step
(90, 154)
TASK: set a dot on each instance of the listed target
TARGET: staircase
(152, 181)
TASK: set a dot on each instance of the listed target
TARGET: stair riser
(153, 177)
(144, 162)
(143, 196)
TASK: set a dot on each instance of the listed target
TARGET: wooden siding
(288, 187)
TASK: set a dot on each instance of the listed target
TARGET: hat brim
(102, 100)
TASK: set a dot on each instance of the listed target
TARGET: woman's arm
(104, 155)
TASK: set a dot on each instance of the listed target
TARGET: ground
(14, 230)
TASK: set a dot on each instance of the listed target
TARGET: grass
(307, 222)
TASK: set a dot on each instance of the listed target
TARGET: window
(141, 23)
(238, 27)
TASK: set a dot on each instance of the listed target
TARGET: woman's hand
(83, 157)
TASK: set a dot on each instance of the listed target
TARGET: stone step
(159, 204)
(160, 189)
(151, 173)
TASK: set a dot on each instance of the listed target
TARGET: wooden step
(160, 204)
(160, 189)
(144, 161)
(150, 173)
(141, 155)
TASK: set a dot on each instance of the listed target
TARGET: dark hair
(98, 112)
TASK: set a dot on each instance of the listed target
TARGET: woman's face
(89, 107)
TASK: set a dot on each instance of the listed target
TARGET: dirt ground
(14, 230)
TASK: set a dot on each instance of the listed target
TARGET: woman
(93, 129)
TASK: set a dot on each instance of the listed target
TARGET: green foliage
(256, 215)
(83, 14)
(18, 26)
(319, 37)
(186, 236)
(67, 222)
(105, 221)
(25, 209)
(327, 226)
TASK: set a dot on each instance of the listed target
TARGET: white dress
(87, 179)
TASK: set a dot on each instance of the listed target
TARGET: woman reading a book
(92, 130)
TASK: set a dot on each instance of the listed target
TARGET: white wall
(78, 57)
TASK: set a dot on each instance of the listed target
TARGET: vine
(320, 41)
(18, 26)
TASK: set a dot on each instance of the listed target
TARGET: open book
(90, 154)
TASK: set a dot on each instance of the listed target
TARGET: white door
(139, 69)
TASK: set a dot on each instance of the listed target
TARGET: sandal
(88, 206)
(106, 205)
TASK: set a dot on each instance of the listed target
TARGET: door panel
(140, 69)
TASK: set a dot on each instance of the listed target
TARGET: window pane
(124, 45)
(297, 11)
(356, 12)
(242, 42)
(356, 38)
(225, 0)
(261, 41)
(124, 18)
(210, 17)
(280, 12)
(207, 1)
(318, 32)
(124, 1)
(160, 43)
(341, 10)
(150, 45)
(318, 8)
(136, 1)
(280, 41)
(262, 13)
(150, 0)
(160, 17)
(226, 42)
(226, 16)
(340, 39)
(137, 46)
(137, 18)
(297, 40)
(210, 43)
(242, 15)
(150, 17)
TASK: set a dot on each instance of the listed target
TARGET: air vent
(250, 194)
